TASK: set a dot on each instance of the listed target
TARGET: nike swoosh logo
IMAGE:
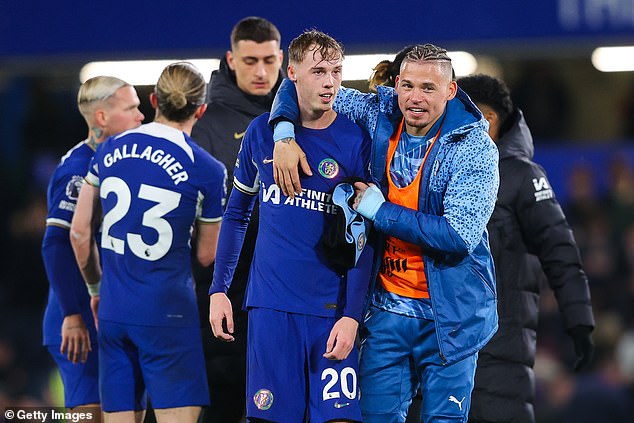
(239, 135)
(267, 161)
(341, 405)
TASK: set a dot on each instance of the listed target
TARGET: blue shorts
(167, 361)
(81, 380)
(399, 354)
(288, 378)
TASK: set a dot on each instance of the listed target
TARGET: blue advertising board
(561, 160)
(118, 28)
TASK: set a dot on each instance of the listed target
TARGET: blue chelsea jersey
(154, 181)
(67, 293)
(289, 271)
(63, 188)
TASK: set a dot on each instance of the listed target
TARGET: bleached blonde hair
(95, 93)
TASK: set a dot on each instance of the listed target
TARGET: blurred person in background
(584, 200)
(109, 106)
(529, 237)
(241, 89)
(620, 197)
(600, 396)
(386, 71)
(155, 185)
(626, 302)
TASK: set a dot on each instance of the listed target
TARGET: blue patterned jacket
(456, 199)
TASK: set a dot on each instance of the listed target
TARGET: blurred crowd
(32, 141)
(603, 224)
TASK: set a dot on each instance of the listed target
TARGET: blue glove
(371, 202)
(283, 129)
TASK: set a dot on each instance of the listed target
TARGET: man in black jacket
(241, 89)
(529, 237)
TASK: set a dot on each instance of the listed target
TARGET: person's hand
(368, 199)
(220, 310)
(584, 346)
(75, 339)
(341, 339)
(94, 306)
(287, 157)
(359, 190)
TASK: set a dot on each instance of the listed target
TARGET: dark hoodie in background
(530, 238)
(220, 131)
(229, 111)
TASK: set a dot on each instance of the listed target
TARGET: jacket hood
(517, 141)
(223, 89)
(464, 115)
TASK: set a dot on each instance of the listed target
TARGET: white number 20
(345, 383)
(152, 218)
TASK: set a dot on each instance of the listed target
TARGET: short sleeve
(213, 195)
(65, 189)
(92, 177)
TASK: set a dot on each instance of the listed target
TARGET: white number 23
(152, 218)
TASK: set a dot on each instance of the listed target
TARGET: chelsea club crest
(328, 168)
(263, 399)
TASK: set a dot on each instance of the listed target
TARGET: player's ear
(230, 60)
(491, 116)
(290, 71)
(453, 90)
(153, 100)
(200, 111)
(101, 117)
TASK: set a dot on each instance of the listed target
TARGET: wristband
(371, 202)
(94, 288)
(283, 129)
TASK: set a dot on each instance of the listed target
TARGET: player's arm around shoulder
(288, 157)
(361, 108)
(473, 186)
